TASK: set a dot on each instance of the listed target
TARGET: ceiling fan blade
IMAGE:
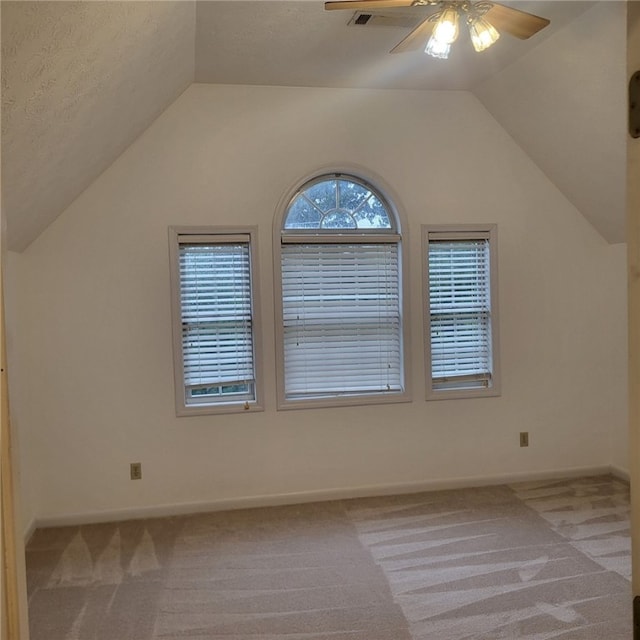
(515, 22)
(368, 5)
(417, 38)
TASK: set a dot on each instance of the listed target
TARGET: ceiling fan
(485, 20)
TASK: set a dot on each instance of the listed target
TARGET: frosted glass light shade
(483, 34)
(446, 29)
(437, 49)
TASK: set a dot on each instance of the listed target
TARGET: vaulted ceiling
(82, 80)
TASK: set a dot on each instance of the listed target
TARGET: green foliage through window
(337, 203)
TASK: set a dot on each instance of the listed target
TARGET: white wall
(615, 334)
(564, 103)
(93, 308)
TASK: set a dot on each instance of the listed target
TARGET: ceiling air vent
(362, 18)
(369, 19)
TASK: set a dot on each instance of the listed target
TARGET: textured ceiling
(301, 44)
(565, 104)
(81, 80)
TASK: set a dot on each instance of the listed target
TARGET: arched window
(341, 317)
(336, 204)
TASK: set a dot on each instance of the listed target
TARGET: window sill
(217, 409)
(343, 401)
(461, 394)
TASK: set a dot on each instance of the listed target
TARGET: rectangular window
(214, 320)
(341, 319)
(461, 311)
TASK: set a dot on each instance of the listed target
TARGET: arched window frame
(394, 236)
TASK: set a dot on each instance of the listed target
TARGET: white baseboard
(271, 500)
(620, 473)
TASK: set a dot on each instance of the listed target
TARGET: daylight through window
(461, 308)
(341, 306)
(216, 320)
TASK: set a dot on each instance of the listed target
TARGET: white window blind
(216, 317)
(460, 312)
(341, 317)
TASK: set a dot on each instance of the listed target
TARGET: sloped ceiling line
(564, 103)
(82, 80)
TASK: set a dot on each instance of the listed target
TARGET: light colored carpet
(532, 561)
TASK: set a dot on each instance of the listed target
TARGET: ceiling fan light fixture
(437, 49)
(483, 33)
(447, 28)
(443, 25)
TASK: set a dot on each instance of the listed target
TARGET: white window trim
(463, 231)
(176, 234)
(399, 234)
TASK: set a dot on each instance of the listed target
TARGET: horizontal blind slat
(460, 310)
(341, 312)
(216, 315)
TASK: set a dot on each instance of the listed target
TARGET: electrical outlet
(524, 438)
(136, 470)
